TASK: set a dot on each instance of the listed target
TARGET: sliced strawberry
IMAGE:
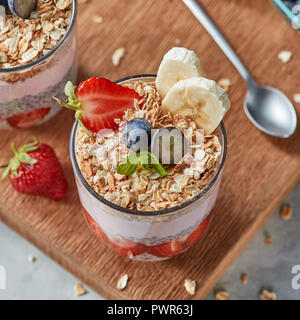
(127, 248)
(95, 227)
(168, 249)
(29, 119)
(177, 246)
(123, 247)
(98, 102)
(199, 231)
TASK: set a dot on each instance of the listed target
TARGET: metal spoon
(267, 108)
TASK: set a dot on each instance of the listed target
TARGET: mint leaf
(157, 166)
(141, 158)
(136, 160)
(127, 169)
(160, 169)
(146, 166)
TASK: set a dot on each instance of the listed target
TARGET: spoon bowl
(270, 111)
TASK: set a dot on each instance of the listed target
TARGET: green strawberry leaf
(69, 90)
(25, 158)
(20, 156)
(31, 146)
(5, 173)
(73, 103)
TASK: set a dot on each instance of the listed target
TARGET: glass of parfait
(36, 62)
(162, 232)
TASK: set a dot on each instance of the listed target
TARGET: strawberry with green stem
(97, 102)
(35, 170)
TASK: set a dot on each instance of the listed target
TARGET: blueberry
(169, 145)
(137, 134)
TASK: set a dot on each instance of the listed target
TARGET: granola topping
(99, 155)
(23, 41)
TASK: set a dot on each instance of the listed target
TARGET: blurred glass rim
(49, 54)
(288, 13)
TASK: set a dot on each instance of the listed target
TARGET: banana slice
(177, 64)
(200, 98)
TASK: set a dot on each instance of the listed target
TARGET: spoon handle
(218, 37)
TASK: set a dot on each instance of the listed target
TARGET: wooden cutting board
(260, 170)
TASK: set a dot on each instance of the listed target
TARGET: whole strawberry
(35, 170)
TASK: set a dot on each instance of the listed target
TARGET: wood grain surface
(260, 170)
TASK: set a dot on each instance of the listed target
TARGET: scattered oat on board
(222, 295)
(122, 283)
(297, 97)
(117, 56)
(79, 289)
(225, 84)
(286, 212)
(31, 258)
(22, 41)
(285, 56)
(244, 279)
(190, 286)
(267, 295)
(269, 240)
(97, 19)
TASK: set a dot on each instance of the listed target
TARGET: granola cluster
(23, 41)
(98, 157)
